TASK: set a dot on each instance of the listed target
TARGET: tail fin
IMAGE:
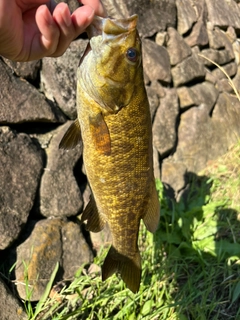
(128, 267)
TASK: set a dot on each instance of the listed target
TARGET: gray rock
(156, 62)
(186, 97)
(218, 56)
(192, 68)
(236, 79)
(37, 257)
(72, 4)
(59, 192)
(153, 101)
(231, 34)
(146, 79)
(76, 251)
(27, 70)
(236, 50)
(21, 102)
(161, 38)
(51, 241)
(223, 13)
(200, 9)
(43, 135)
(10, 306)
(86, 193)
(21, 164)
(202, 138)
(223, 85)
(158, 88)
(116, 9)
(209, 77)
(164, 126)
(195, 51)
(154, 16)
(102, 239)
(217, 38)
(198, 139)
(177, 48)
(226, 115)
(198, 35)
(230, 69)
(156, 165)
(173, 174)
(186, 16)
(203, 93)
(58, 77)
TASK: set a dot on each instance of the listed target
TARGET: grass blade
(46, 292)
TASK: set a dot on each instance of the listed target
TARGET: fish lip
(95, 28)
(129, 23)
(108, 27)
(119, 25)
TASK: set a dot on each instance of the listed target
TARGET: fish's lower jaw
(129, 268)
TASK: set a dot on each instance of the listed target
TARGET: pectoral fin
(100, 134)
(72, 137)
(95, 221)
(151, 219)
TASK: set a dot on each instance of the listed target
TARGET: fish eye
(132, 54)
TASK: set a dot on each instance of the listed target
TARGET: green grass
(191, 265)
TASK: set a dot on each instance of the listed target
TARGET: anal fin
(72, 137)
(128, 267)
(151, 218)
(95, 221)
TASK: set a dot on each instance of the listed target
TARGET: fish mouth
(111, 28)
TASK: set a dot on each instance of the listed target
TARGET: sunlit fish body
(115, 126)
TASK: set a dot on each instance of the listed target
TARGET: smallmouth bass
(114, 124)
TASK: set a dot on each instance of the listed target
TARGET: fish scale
(115, 124)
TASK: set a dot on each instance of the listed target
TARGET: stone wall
(195, 118)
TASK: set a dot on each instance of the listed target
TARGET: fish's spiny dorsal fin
(100, 134)
(95, 221)
(151, 218)
(72, 137)
(129, 268)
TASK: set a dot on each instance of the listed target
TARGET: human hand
(33, 29)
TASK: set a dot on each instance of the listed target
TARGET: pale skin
(33, 29)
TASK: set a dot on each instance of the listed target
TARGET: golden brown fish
(115, 123)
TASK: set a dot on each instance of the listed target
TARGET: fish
(114, 126)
